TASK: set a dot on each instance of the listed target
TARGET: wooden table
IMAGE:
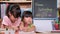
(38, 33)
(52, 32)
(47, 33)
(43, 33)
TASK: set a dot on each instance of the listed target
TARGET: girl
(27, 24)
(12, 18)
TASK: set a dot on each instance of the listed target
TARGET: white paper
(43, 25)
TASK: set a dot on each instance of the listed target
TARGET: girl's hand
(31, 28)
(25, 29)
(15, 28)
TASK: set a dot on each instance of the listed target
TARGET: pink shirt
(6, 21)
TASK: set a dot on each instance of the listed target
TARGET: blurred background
(41, 25)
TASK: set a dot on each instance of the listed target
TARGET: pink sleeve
(5, 22)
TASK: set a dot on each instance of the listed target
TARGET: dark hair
(27, 14)
(14, 9)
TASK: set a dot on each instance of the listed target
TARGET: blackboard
(44, 8)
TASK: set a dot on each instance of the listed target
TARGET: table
(38, 33)
(46, 32)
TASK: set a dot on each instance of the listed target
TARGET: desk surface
(42, 33)
(37, 33)
(50, 32)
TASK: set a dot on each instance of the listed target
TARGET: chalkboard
(44, 8)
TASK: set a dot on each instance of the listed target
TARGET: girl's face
(27, 20)
(13, 19)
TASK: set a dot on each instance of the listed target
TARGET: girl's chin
(13, 21)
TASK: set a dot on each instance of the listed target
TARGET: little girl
(12, 18)
(27, 24)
